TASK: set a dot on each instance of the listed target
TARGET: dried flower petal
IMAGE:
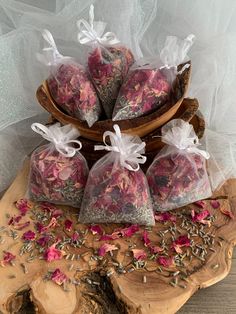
(200, 204)
(96, 229)
(75, 236)
(7, 258)
(58, 277)
(215, 204)
(125, 232)
(200, 217)
(165, 261)
(106, 248)
(156, 249)
(68, 224)
(227, 212)
(23, 205)
(139, 255)
(146, 239)
(29, 236)
(52, 253)
(182, 241)
(166, 216)
(22, 225)
(40, 227)
(44, 240)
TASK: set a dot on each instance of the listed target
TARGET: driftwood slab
(97, 287)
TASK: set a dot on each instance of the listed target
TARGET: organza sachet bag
(108, 62)
(178, 174)
(58, 171)
(149, 81)
(117, 189)
(69, 84)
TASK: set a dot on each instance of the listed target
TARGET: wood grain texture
(122, 293)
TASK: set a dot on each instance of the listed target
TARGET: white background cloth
(140, 24)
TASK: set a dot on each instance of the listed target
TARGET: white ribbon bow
(51, 55)
(93, 32)
(181, 134)
(129, 151)
(61, 137)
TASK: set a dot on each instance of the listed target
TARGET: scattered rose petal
(7, 258)
(50, 208)
(165, 261)
(22, 225)
(215, 204)
(39, 227)
(52, 253)
(96, 229)
(106, 248)
(58, 277)
(166, 216)
(227, 212)
(182, 241)
(108, 237)
(139, 255)
(200, 204)
(146, 239)
(29, 236)
(75, 236)
(23, 205)
(57, 213)
(43, 241)
(68, 224)
(52, 224)
(201, 217)
(125, 232)
(14, 219)
(156, 249)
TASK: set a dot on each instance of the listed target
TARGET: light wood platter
(117, 293)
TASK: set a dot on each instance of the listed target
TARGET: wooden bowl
(187, 112)
(140, 126)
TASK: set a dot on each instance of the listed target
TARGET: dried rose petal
(58, 277)
(156, 249)
(96, 229)
(166, 216)
(7, 258)
(44, 240)
(227, 212)
(182, 241)
(14, 219)
(200, 217)
(139, 255)
(52, 253)
(125, 232)
(40, 227)
(23, 205)
(68, 224)
(29, 236)
(106, 248)
(200, 204)
(215, 204)
(75, 236)
(22, 225)
(146, 239)
(165, 261)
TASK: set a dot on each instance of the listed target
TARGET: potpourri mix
(117, 189)
(69, 84)
(58, 171)
(178, 174)
(108, 63)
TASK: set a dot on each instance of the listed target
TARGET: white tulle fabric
(143, 26)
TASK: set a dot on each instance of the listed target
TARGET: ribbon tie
(129, 148)
(61, 137)
(51, 55)
(93, 32)
(181, 134)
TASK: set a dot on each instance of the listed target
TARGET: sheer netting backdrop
(142, 25)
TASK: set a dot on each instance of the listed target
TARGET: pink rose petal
(156, 249)
(58, 277)
(68, 224)
(200, 217)
(29, 236)
(146, 239)
(215, 204)
(200, 204)
(96, 229)
(106, 248)
(65, 173)
(139, 255)
(52, 253)
(23, 205)
(44, 240)
(7, 258)
(166, 216)
(75, 236)
(182, 241)
(165, 261)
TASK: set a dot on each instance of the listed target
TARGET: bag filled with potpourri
(108, 62)
(178, 174)
(58, 171)
(69, 84)
(117, 189)
(149, 82)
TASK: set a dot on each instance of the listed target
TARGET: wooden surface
(140, 126)
(123, 293)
